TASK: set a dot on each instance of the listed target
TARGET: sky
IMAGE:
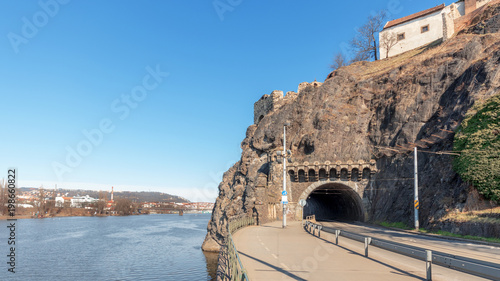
(155, 95)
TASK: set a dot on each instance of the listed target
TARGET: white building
(81, 201)
(59, 201)
(419, 29)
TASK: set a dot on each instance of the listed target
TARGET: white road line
(284, 266)
(267, 249)
(274, 256)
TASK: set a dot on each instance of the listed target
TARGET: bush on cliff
(478, 139)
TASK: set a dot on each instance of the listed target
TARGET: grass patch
(491, 215)
(449, 234)
(400, 225)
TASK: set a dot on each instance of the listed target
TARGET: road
(270, 252)
(459, 248)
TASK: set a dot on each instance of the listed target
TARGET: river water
(147, 247)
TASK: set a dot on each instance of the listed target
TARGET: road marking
(262, 243)
(274, 256)
(284, 266)
(267, 249)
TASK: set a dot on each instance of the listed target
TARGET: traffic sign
(284, 198)
(284, 193)
(285, 202)
(302, 202)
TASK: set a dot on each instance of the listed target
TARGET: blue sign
(284, 193)
(285, 202)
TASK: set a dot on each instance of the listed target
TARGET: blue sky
(165, 89)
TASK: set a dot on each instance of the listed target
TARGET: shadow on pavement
(271, 226)
(289, 274)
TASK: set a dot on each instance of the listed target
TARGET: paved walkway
(269, 252)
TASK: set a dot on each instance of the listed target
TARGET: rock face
(415, 99)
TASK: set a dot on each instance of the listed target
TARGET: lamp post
(285, 154)
(416, 202)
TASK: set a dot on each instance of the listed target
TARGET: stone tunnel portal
(334, 201)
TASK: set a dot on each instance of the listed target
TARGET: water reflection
(211, 260)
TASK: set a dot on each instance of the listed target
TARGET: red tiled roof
(413, 16)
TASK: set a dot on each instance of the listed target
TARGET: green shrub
(478, 139)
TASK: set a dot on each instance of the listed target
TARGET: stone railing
(349, 170)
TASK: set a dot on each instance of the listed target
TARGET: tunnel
(334, 201)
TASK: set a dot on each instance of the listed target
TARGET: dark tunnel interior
(334, 201)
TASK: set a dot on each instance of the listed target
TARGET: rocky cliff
(373, 111)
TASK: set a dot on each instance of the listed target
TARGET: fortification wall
(269, 103)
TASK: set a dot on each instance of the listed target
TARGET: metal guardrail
(311, 218)
(476, 267)
(235, 268)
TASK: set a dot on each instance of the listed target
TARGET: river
(146, 247)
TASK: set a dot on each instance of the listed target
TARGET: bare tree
(387, 41)
(364, 42)
(123, 207)
(101, 204)
(3, 198)
(41, 202)
(339, 60)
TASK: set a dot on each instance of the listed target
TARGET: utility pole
(284, 174)
(416, 203)
(284, 197)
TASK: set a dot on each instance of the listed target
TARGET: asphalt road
(460, 248)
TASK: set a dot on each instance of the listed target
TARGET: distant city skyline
(155, 95)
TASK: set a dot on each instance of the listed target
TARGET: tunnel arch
(333, 201)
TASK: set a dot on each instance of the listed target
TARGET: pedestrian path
(270, 252)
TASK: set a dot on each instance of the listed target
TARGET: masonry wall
(414, 38)
(470, 5)
(480, 3)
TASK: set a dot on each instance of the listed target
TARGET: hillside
(418, 98)
(134, 196)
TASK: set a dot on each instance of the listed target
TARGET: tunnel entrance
(334, 201)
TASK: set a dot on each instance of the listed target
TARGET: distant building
(59, 202)
(81, 201)
(419, 29)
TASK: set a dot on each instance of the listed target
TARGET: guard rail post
(428, 264)
(368, 240)
(337, 233)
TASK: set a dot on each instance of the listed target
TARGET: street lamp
(416, 202)
(285, 154)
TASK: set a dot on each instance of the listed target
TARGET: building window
(401, 36)
(424, 28)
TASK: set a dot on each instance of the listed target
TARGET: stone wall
(274, 101)
(266, 104)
